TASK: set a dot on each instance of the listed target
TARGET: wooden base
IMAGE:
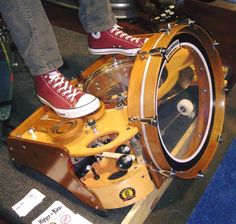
(142, 209)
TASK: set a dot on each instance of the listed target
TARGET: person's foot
(114, 41)
(55, 91)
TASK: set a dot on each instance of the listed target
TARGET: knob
(91, 123)
(125, 162)
(85, 170)
(123, 149)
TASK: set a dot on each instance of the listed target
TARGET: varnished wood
(53, 161)
(34, 144)
(39, 150)
(79, 146)
(141, 210)
(109, 190)
(146, 95)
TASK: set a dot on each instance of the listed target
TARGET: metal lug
(215, 44)
(149, 120)
(200, 174)
(219, 139)
(191, 22)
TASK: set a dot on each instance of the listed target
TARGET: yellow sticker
(127, 194)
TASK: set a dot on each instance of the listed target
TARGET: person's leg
(96, 15)
(104, 36)
(33, 35)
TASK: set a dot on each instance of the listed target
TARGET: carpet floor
(218, 203)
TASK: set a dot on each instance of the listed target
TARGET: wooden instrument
(161, 115)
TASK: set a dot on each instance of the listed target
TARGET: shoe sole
(129, 52)
(77, 112)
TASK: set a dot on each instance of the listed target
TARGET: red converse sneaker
(56, 92)
(114, 41)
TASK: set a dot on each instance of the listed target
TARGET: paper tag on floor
(58, 213)
(25, 205)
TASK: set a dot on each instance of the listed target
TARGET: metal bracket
(159, 51)
(215, 45)
(166, 173)
(149, 120)
(121, 102)
(191, 22)
(138, 150)
(219, 139)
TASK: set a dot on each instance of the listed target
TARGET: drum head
(176, 100)
(110, 82)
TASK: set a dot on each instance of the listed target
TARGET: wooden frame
(48, 143)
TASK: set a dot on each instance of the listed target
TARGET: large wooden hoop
(142, 101)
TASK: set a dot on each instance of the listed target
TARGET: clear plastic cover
(184, 103)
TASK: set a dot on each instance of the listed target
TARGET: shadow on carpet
(218, 203)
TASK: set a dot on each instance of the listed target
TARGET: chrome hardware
(166, 173)
(160, 51)
(149, 120)
(191, 22)
(143, 54)
(91, 123)
(200, 174)
(215, 44)
(121, 101)
(219, 139)
(166, 29)
(138, 150)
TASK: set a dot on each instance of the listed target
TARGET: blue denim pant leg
(96, 15)
(32, 34)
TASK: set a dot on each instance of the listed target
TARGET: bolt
(138, 136)
(200, 174)
(215, 43)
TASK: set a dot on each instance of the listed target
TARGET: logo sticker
(96, 35)
(127, 194)
(175, 46)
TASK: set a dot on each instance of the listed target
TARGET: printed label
(175, 46)
(127, 194)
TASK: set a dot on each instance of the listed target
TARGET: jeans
(33, 35)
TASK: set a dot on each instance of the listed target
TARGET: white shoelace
(59, 81)
(116, 28)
